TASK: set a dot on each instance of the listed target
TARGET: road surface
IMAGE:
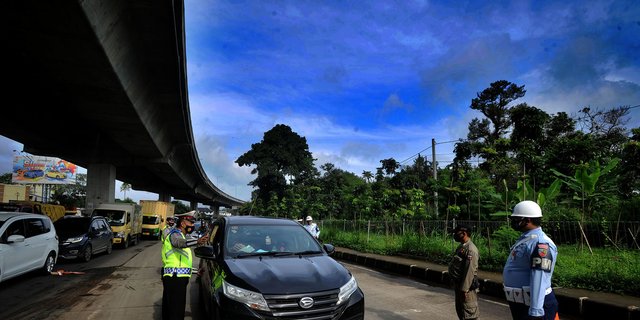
(127, 285)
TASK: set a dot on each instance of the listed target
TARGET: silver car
(28, 242)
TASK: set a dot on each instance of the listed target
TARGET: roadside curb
(574, 302)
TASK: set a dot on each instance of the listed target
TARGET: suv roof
(4, 216)
(244, 220)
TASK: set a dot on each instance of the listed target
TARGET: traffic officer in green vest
(167, 228)
(178, 262)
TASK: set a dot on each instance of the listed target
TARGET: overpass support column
(194, 205)
(216, 210)
(164, 197)
(101, 185)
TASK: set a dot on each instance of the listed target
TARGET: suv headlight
(252, 299)
(74, 240)
(347, 290)
(120, 234)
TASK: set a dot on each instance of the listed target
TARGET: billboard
(30, 169)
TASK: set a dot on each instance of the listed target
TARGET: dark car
(268, 268)
(82, 237)
(33, 174)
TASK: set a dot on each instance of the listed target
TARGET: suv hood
(287, 275)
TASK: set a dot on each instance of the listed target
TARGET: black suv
(268, 268)
(82, 237)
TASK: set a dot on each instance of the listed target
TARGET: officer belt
(176, 271)
(521, 295)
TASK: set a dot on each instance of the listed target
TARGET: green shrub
(606, 270)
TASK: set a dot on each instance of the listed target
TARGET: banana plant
(584, 182)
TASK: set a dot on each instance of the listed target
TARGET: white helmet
(309, 218)
(527, 209)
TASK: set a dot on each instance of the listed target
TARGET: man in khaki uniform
(463, 271)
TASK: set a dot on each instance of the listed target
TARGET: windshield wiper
(266, 253)
(307, 252)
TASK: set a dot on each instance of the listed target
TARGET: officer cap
(309, 218)
(189, 216)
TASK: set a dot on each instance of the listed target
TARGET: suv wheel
(49, 263)
(86, 255)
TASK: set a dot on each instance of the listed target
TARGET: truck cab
(125, 220)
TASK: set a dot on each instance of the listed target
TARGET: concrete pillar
(101, 185)
(216, 210)
(164, 197)
(194, 205)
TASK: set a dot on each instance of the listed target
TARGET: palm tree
(367, 175)
(124, 188)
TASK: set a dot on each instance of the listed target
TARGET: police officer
(178, 263)
(312, 227)
(463, 271)
(528, 270)
(168, 227)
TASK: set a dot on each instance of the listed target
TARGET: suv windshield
(69, 228)
(115, 217)
(250, 240)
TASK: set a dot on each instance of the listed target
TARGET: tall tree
(486, 137)
(282, 157)
(124, 188)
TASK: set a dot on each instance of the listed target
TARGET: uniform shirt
(313, 229)
(464, 265)
(531, 263)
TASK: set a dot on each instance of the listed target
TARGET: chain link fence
(623, 234)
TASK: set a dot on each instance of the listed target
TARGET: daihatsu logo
(306, 303)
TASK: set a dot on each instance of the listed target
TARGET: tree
(180, 207)
(71, 195)
(124, 188)
(282, 157)
(6, 178)
(367, 176)
(486, 137)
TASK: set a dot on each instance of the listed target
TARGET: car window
(94, 226)
(16, 227)
(47, 225)
(103, 225)
(265, 238)
(35, 227)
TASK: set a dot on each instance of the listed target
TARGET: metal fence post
(368, 229)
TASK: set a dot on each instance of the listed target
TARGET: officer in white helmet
(312, 227)
(529, 267)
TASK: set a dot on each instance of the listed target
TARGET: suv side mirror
(329, 248)
(15, 238)
(205, 252)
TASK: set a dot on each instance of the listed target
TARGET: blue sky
(369, 80)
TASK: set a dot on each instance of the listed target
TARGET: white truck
(125, 220)
(154, 217)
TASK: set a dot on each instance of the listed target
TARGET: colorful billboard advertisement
(30, 169)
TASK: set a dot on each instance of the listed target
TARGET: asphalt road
(126, 285)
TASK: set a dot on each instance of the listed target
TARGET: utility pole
(435, 177)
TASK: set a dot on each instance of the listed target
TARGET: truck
(154, 217)
(125, 220)
(53, 211)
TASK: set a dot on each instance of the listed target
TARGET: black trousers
(520, 311)
(174, 297)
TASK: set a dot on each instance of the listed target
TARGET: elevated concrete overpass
(102, 83)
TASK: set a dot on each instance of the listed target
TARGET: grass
(607, 270)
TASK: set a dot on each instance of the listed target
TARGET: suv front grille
(287, 307)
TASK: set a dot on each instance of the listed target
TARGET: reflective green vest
(176, 261)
